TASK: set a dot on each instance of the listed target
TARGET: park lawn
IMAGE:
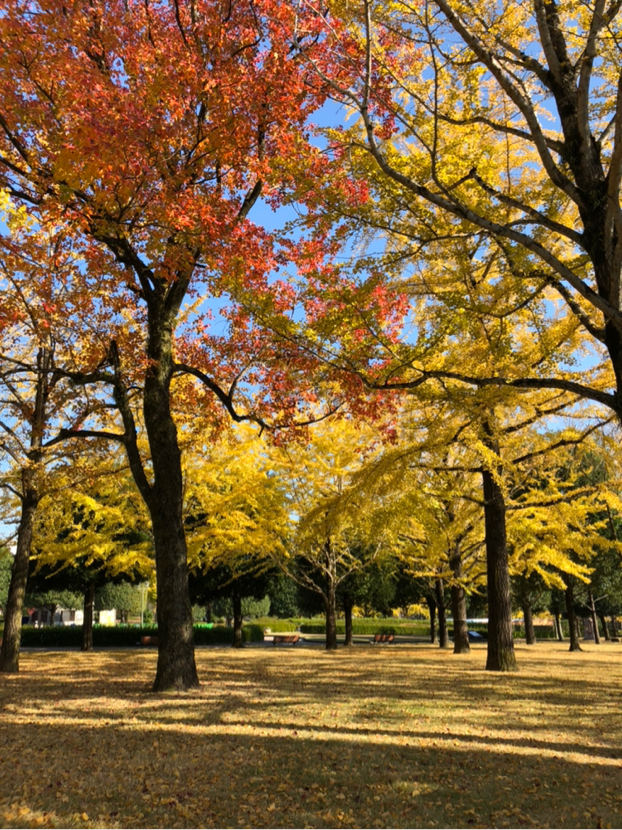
(379, 736)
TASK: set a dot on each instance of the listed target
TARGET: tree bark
(176, 665)
(331, 617)
(443, 637)
(614, 630)
(458, 606)
(347, 608)
(432, 609)
(87, 621)
(11, 638)
(9, 652)
(594, 616)
(572, 618)
(603, 620)
(558, 626)
(237, 620)
(530, 634)
(501, 656)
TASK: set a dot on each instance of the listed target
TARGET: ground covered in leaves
(385, 736)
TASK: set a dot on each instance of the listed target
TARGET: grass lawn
(370, 737)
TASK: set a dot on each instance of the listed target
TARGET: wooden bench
(383, 638)
(149, 640)
(285, 638)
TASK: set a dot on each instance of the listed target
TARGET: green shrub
(365, 627)
(276, 625)
(124, 636)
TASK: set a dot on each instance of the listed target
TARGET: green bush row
(276, 625)
(111, 636)
(364, 626)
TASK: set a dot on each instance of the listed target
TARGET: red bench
(285, 638)
(148, 640)
(383, 638)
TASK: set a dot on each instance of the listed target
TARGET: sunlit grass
(370, 737)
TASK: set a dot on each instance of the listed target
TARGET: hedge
(366, 626)
(116, 636)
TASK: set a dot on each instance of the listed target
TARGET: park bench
(383, 638)
(148, 640)
(285, 638)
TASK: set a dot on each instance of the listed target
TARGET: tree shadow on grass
(278, 742)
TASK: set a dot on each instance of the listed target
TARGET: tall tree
(150, 131)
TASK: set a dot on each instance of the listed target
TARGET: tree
(335, 536)
(149, 132)
(82, 542)
(221, 582)
(33, 276)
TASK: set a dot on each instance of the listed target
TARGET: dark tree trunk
(9, 653)
(593, 616)
(501, 656)
(530, 634)
(237, 620)
(603, 620)
(443, 637)
(458, 606)
(331, 617)
(572, 618)
(432, 609)
(347, 608)
(208, 613)
(614, 629)
(87, 623)
(176, 664)
(558, 626)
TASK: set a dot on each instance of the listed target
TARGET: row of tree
(451, 290)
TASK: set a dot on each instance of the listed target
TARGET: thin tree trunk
(603, 620)
(572, 619)
(558, 626)
(11, 638)
(530, 634)
(237, 620)
(443, 637)
(347, 609)
(614, 629)
(432, 609)
(458, 606)
(593, 616)
(331, 617)
(87, 621)
(9, 652)
(501, 656)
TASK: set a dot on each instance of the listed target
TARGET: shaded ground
(387, 737)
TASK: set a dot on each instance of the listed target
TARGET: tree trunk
(11, 638)
(176, 665)
(87, 622)
(558, 626)
(572, 619)
(501, 656)
(347, 608)
(432, 609)
(331, 617)
(458, 606)
(9, 653)
(237, 620)
(530, 634)
(593, 615)
(614, 630)
(443, 637)
(603, 620)
(208, 613)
